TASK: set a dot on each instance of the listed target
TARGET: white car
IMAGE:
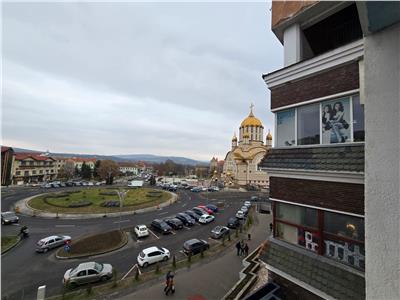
(152, 255)
(51, 242)
(244, 209)
(87, 273)
(247, 204)
(240, 214)
(204, 219)
(141, 231)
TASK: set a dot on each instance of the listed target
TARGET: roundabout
(97, 201)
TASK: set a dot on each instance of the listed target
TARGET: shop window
(344, 226)
(285, 128)
(335, 121)
(358, 120)
(308, 124)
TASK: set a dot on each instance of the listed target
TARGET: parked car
(196, 190)
(172, 188)
(141, 231)
(152, 255)
(206, 209)
(186, 219)
(213, 189)
(244, 209)
(9, 217)
(69, 183)
(62, 184)
(191, 213)
(51, 242)
(204, 219)
(174, 223)
(240, 215)
(88, 272)
(213, 207)
(161, 226)
(233, 223)
(219, 232)
(247, 204)
(199, 211)
(254, 198)
(194, 246)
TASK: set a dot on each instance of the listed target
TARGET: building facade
(79, 161)
(128, 168)
(317, 166)
(241, 162)
(7, 159)
(33, 168)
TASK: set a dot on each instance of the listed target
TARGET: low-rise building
(79, 161)
(7, 159)
(128, 168)
(33, 168)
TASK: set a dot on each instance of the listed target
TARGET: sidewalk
(211, 280)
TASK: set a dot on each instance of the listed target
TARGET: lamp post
(121, 196)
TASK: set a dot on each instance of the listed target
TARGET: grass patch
(95, 244)
(61, 202)
(8, 241)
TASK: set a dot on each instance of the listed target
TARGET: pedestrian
(170, 285)
(246, 249)
(241, 248)
(249, 236)
(238, 248)
(270, 227)
(167, 277)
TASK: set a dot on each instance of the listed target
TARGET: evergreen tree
(86, 171)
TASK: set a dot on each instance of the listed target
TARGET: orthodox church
(241, 163)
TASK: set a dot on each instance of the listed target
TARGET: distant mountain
(161, 159)
(127, 157)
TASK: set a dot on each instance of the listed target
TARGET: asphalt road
(23, 270)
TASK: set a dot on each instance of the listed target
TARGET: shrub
(80, 204)
(115, 281)
(137, 274)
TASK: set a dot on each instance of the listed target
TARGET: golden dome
(269, 136)
(246, 135)
(251, 120)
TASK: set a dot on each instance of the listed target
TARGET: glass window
(335, 121)
(358, 120)
(298, 236)
(299, 215)
(285, 128)
(308, 124)
(344, 225)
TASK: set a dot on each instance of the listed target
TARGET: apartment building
(7, 159)
(33, 168)
(336, 151)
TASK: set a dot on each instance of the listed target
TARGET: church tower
(234, 141)
(253, 128)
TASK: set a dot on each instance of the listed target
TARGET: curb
(29, 211)
(11, 247)
(96, 254)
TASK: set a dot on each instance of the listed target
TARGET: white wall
(291, 44)
(382, 197)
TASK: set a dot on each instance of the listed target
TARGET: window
(31, 163)
(23, 163)
(26, 173)
(34, 172)
(18, 173)
(92, 272)
(308, 124)
(41, 171)
(329, 122)
(358, 120)
(335, 121)
(285, 128)
(81, 273)
(337, 236)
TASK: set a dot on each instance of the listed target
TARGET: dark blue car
(212, 207)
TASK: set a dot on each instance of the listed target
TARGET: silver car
(51, 242)
(86, 273)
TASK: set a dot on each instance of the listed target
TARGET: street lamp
(121, 195)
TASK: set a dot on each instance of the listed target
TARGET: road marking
(163, 213)
(130, 270)
(61, 225)
(122, 221)
(173, 232)
(183, 252)
(153, 233)
(183, 205)
(16, 224)
(188, 228)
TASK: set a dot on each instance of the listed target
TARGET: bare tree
(67, 171)
(107, 170)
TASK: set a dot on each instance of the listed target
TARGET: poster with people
(285, 128)
(336, 121)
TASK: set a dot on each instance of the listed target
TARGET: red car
(210, 212)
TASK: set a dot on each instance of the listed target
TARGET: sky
(134, 78)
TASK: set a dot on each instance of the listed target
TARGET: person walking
(238, 248)
(270, 227)
(167, 277)
(170, 287)
(241, 248)
(246, 249)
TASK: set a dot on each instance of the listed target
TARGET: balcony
(313, 272)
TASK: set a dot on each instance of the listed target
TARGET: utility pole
(121, 195)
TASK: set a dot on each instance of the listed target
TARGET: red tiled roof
(82, 159)
(35, 156)
(4, 148)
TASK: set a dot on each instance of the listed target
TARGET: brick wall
(341, 79)
(348, 197)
